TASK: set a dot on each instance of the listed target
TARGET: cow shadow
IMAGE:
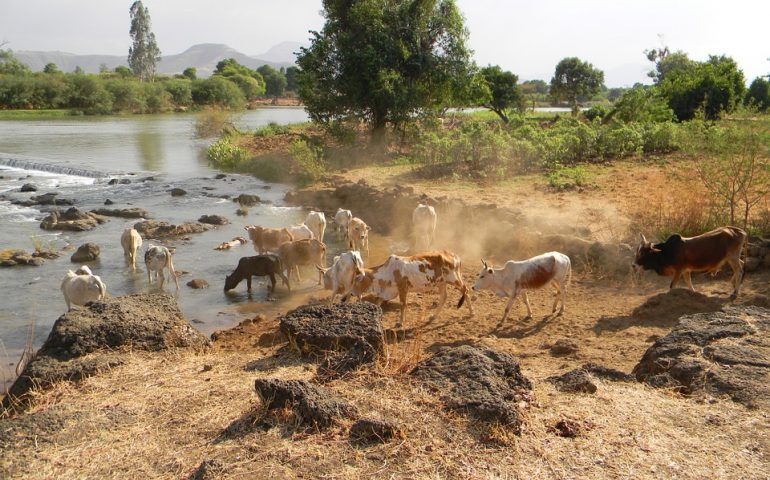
(283, 357)
(522, 331)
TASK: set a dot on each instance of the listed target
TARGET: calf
(130, 240)
(358, 235)
(340, 276)
(418, 273)
(302, 252)
(316, 221)
(268, 239)
(81, 287)
(232, 243)
(260, 266)
(156, 258)
(300, 232)
(341, 220)
(552, 267)
(424, 226)
(678, 256)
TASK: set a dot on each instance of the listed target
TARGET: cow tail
(462, 299)
(569, 274)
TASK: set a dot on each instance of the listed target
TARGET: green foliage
(251, 82)
(217, 90)
(308, 163)
(642, 104)
(180, 91)
(156, 98)
(597, 111)
(88, 95)
(668, 63)
(191, 73)
(504, 94)
(212, 122)
(224, 154)
(575, 78)
(271, 129)
(291, 78)
(143, 54)
(566, 178)
(383, 61)
(123, 72)
(275, 81)
(758, 94)
(51, 68)
(127, 95)
(9, 65)
(619, 142)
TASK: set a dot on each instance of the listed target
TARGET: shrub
(598, 111)
(212, 122)
(180, 91)
(659, 137)
(127, 95)
(217, 90)
(271, 129)
(619, 142)
(224, 154)
(568, 177)
(308, 164)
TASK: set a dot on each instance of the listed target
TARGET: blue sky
(526, 37)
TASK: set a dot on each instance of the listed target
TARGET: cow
(418, 273)
(302, 252)
(232, 243)
(268, 239)
(130, 240)
(358, 235)
(423, 226)
(300, 232)
(82, 286)
(339, 277)
(260, 266)
(341, 220)
(156, 258)
(316, 221)
(679, 256)
(549, 268)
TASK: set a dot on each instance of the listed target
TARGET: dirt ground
(162, 415)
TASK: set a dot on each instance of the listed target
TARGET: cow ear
(368, 228)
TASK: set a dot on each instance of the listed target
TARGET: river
(76, 157)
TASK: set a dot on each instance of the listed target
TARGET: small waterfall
(29, 164)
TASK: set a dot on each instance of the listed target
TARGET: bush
(659, 137)
(127, 95)
(217, 90)
(308, 164)
(180, 91)
(212, 122)
(619, 142)
(568, 177)
(156, 98)
(598, 111)
(271, 129)
(88, 95)
(224, 154)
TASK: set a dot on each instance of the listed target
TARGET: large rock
(12, 258)
(375, 430)
(312, 404)
(214, 219)
(72, 220)
(156, 229)
(134, 212)
(479, 381)
(178, 192)
(337, 327)
(50, 198)
(84, 341)
(87, 252)
(247, 200)
(719, 353)
(28, 187)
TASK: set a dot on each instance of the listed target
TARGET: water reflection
(150, 147)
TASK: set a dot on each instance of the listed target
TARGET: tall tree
(275, 81)
(144, 54)
(384, 61)
(504, 93)
(575, 78)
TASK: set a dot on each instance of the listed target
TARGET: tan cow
(358, 235)
(302, 252)
(130, 240)
(268, 239)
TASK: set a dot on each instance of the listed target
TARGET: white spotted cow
(130, 240)
(82, 286)
(341, 220)
(419, 273)
(423, 226)
(358, 235)
(156, 259)
(316, 221)
(549, 268)
(340, 276)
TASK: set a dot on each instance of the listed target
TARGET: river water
(76, 157)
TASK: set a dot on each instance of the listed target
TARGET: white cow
(423, 226)
(130, 240)
(156, 258)
(358, 235)
(341, 220)
(537, 272)
(340, 276)
(300, 232)
(317, 223)
(81, 286)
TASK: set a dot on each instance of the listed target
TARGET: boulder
(178, 192)
(84, 341)
(28, 187)
(242, 212)
(109, 202)
(220, 176)
(478, 381)
(335, 366)
(375, 430)
(44, 199)
(133, 212)
(719, 353)
(72, 220)
(247, 200)
(574, 381)
(198, 283)
(88, 252)
(156, 229)
(564, 346)
(337, 327)
(312, 404)
(12, 258)
(214, 220)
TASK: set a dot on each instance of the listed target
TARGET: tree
(759, 94)
(144, 53)
(51, 68)
(123, 72)
(291, 78)
(9, 65)
(574, 78)
(504, 93)
(191, 73)
(384, 61)
(539, 87)
(275, 81)
(249, 81)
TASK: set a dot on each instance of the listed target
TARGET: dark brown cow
(679, 256)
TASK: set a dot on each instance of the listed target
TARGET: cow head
(362, 283)
(327, 275)
(648, 256)
(486, 277)
(232, 281)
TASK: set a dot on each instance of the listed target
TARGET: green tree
(275, 81)
(123, 71)
(383, 61)
(144, 54)
(759, 94)
(539, 87)
(667, 63)
(217, 90)
(88, 95)
(251, 82)
(291, 78)
(9, 65)
(575, 78)
(642, 104)
(504, 93)
(51, 68)
(191, 73)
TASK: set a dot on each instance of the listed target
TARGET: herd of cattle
(281, 251)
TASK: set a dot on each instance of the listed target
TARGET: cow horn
(484, 262)
(644, 240)
(321, 269)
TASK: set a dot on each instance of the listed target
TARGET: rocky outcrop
(134, 212)
(85, 341)
(12, 258)
(72, 220)
(246, 200)
(214, 219)
(375, 430)
(718, 353)
(45, 199)
(478, 381)
(87, 252)
(156, 229)
(312, 404)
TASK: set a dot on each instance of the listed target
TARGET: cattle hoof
(733, 296)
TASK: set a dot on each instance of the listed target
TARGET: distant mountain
(203, 57)
(282, 53)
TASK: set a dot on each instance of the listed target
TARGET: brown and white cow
(678, 256)
(156, 259)
(549, 268)
(419, 273)
(302, 252)
(130, 240)
(358, 235)
(268, 239)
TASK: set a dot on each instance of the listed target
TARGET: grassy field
(33, 114)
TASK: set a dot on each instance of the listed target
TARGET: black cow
(260, 266)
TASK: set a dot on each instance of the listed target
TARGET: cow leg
(442, 299)
(285, 281)
(737, 268)
(688, 281)
(560, 293)
(675, 280)
(403, 290)
(161, 278)
(514, 294)
(248, 283)
(526, 302)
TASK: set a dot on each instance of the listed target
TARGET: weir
(32, 164)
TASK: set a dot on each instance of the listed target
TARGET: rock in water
(720, 353)
(122, 212)
(214, 219)
(88, 252)
(28, 187)
(479, 381)
(178, 192)
(198, 283)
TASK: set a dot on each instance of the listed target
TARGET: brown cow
(268, 239)
(302, 252)
(678, 256)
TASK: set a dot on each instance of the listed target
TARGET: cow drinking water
(260, 266)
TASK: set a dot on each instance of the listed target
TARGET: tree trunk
(575, 107)
(378, 130)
